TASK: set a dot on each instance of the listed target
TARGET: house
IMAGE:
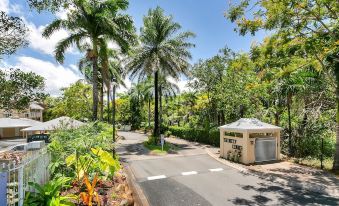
(33, 112)
(12, 122)
(11, 127)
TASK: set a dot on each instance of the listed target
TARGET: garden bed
(110, 192)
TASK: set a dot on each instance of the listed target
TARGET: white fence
(14, 177)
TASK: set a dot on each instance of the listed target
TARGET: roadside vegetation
(82, 169)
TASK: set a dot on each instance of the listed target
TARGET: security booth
(249, 140)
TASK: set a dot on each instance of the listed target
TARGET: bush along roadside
(82, 170)
(211, 137)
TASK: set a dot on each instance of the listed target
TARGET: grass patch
(313, 162)
(156, 149)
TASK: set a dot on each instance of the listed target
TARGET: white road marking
(156, 177)
(189, 173)
(216, 170)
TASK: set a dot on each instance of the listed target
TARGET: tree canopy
(19, 89)
(13, 34)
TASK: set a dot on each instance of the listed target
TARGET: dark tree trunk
(149, 113)
(222, 117)
(277, 118)
(160, 106)
(289, 103)
(156, 107)
(102, 101)
(113, 118)
(336, 154)
(95, 88)
(108, 107)
(242, 111)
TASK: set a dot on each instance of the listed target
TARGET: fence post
(21, 185)
(3, 188)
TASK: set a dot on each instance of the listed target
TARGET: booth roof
(250, 125)
(17, 122)
(61, 122)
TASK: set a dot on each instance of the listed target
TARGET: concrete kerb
(139, 196)
(272, 178)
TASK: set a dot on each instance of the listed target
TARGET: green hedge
(197, 135)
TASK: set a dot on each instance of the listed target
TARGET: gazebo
(250, 140)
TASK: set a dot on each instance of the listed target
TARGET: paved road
(194, 178)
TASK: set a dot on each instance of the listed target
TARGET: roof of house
(250, 125)
(17, 122)
(34, 105)
(61, 122)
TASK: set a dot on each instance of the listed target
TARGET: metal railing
(14, 176)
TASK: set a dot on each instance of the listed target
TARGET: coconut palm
(93, 22)
(163, 51)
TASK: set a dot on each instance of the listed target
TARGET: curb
(139, 196)
(312, 187)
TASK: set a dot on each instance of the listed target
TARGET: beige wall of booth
(246, 144)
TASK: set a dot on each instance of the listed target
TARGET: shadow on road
(286, 196)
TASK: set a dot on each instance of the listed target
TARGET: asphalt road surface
(194, 178)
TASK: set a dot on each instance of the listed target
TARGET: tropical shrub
(197, 135)
(78, 142)
(49, 193)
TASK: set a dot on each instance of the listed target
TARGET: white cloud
(128, 84)
(4, 6)
(10, 8)
(45, 45)
(182, 84)
(56, 76)
(62, 14)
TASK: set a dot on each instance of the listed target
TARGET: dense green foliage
(69, 145)
(76, 155)
(75, 102)
(19, 89)
(211, 137)
(49, 194)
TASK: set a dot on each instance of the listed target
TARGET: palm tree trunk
(336, 154)
(95, 89)
(149, 113)
(289, 102)
(160, 110)
(156, 107)
(108, 107)
(113, 118)
(102, 101)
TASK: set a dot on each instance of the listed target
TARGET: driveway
(192, 177)
(6, 143)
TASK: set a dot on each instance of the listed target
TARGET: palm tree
(98, 22)
(162, 51)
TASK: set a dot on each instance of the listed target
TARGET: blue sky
(204, 18)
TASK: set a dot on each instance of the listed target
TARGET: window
(234, 134)
(254, 135)
(26, 115)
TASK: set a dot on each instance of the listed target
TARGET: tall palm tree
(98, 22)
(162, 51)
